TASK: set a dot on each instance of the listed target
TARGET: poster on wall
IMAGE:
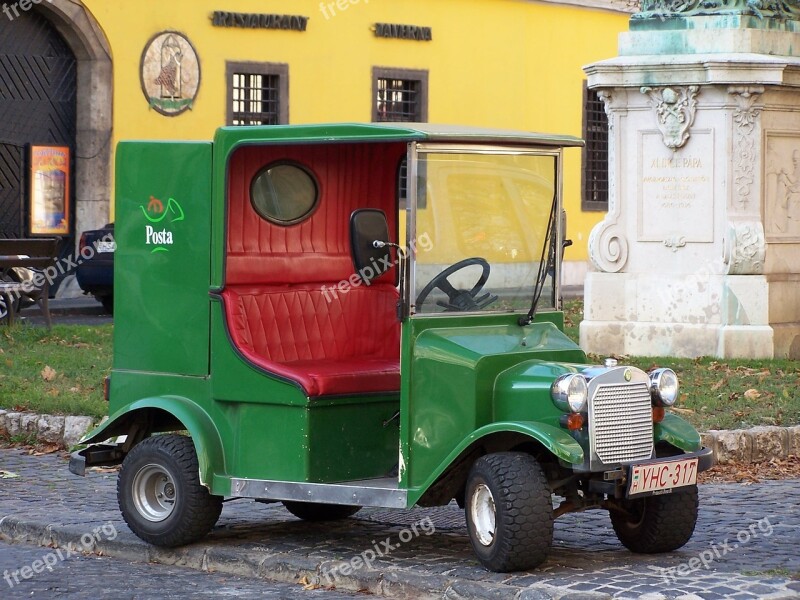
(49, 197)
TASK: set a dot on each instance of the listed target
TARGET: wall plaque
(170, 73)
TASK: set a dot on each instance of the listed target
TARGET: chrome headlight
(664, 387)
(570, 392)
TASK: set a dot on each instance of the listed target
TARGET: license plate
(661, 477)
(106, 246)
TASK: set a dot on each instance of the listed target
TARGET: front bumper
(615, 482)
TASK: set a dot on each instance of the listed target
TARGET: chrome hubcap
(154, 492)
(482, 514)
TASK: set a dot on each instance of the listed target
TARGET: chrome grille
(621, 422)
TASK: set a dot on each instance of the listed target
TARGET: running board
(366, 492)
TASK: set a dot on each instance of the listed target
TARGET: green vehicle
(350, 315)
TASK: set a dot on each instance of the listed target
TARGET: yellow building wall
(493, 63)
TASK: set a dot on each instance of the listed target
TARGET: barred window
(594, 186)
(399, 95)
(258, 93)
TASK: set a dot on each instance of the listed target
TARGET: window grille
(400, 95)
(595, 153)
(257, 94)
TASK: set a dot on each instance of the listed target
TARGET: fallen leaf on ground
(747, 473)
(103, 469)
(717, 385)
(48, 373)
(307, 585)
(752, 394)
(47, 449)
(7, 475)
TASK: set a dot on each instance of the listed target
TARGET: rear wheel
(312, 511)
(509, 512)
(657, 523)
(160, 494)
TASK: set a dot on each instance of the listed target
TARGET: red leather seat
(283, 310)
(331, 343)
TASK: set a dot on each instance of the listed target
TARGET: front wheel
(160, 494)
(509, 512)
(656, 523)
(313, 511)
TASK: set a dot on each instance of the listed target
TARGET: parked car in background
(96, 269)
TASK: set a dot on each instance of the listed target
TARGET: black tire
(160, 495)
(312, 511)
(657, 523)
(511, 528)
(108, 303)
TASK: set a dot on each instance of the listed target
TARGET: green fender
(554, 439)
(677, 432)
(205, 436)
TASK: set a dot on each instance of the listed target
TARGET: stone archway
(94, 109)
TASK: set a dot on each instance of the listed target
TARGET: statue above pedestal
(766, 12)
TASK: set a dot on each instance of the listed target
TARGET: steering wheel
(459, 300)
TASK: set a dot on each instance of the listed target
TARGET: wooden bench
(31, 254)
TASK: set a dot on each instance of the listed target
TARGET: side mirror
(565, 243)
(367, 226)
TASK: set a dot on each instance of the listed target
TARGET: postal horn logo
(159, 232)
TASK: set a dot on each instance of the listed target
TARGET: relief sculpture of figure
(788, 197)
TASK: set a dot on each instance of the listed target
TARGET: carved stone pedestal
(699, 253)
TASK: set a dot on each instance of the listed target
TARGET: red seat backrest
(350, 176)
(282, 282)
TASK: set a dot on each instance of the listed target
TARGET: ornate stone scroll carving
(674, 242)
(745, 248)
(675, 109)
(745, 116)
(608, 248)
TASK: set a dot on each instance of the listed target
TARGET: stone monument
(699, 253)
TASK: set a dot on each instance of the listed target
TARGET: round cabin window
(284, 193)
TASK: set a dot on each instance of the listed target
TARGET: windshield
(481, 228)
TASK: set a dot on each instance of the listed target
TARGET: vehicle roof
(333, 132)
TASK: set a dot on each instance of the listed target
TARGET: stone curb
(755, 445)
(281, 567)
(50, 429)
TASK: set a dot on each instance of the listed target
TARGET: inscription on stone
(676, 191)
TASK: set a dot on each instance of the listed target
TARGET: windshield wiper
(548, 248)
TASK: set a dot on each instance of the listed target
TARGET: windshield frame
(415, 150)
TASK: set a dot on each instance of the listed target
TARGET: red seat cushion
(330, 342)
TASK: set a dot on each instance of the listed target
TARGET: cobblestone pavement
(91, 577)
(748, 536)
